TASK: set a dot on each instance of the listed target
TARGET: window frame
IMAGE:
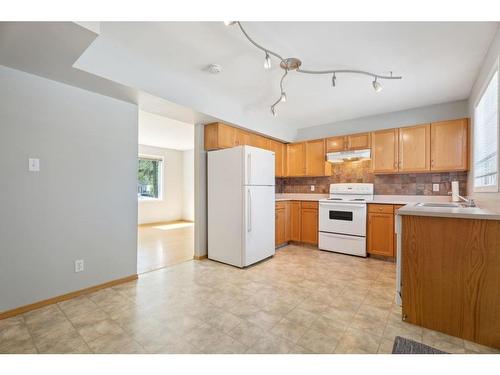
(491, 188)
(161, 159)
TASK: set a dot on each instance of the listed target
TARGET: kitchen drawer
(280, 205)
(307, 204)
(380, 208)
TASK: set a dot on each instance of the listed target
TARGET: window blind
(486, 138)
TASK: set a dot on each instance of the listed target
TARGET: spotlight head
(267, 61)
(376, 85)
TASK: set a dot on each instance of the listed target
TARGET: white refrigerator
(241, 198)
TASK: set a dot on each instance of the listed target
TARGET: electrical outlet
(312, 187)
(79, 266)
(435, 187)
(34, 165)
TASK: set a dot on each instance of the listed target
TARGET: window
(486, 138)
(149, 184)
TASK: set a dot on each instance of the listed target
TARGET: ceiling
(49, 49)
(161, 66)
(439, 62)
(164, 132)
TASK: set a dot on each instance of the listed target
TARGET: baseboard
(64, 297)
(200, 257)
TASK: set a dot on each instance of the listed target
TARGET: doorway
(165, 192)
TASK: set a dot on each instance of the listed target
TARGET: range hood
(354, 155)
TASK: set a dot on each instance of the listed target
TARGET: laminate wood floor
(164, 244)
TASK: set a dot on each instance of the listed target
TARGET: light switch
(312, 188)
(435, 187)
(34, 165)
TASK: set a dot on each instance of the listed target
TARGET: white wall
(490, 60)
(170, 207)
(414, 116)
(164, 132)
(200, 191)
(81, 205)
(188, 185)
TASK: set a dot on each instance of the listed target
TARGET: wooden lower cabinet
(380, 230)
(450, 278)
(296, 221)
(309, 225)
(281, 223)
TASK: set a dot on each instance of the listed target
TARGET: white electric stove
(342, 218)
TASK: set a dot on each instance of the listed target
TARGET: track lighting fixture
(294, 64)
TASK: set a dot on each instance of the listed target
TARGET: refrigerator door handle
(249, 219)
(249, 168)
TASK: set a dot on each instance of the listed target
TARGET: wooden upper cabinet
(358, 141)
(449, 145)
(414, 148)
(385, 151)
(316, 164)
(259, 141)
(334, 144)
(241, 137)
(218, 136)
(279, 156)
(348, 142)
(296, 159)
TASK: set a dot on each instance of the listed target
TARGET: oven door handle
(346, 236)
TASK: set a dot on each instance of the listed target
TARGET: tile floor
(164, 244)
(300, 301)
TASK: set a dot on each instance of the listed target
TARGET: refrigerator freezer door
(259, 224)
(259, 167)
(225, 216)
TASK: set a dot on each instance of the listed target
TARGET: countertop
(486, 210)
(452, 212)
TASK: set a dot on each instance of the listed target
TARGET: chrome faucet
(469, 202)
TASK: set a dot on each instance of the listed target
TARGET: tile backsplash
(387, 184)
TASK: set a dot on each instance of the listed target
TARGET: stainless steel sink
(448, 205)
